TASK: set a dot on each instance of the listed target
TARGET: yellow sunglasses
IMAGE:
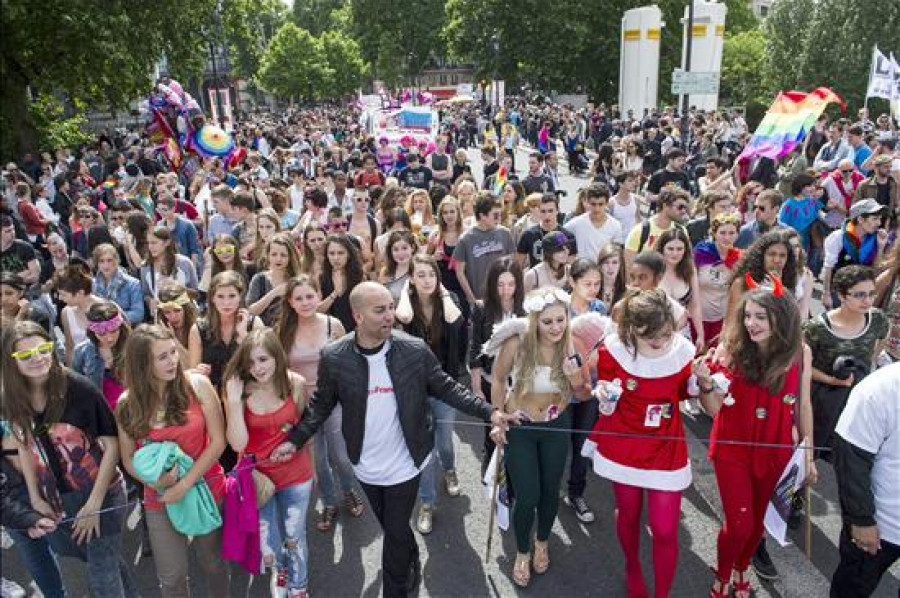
(44, 349)
(224, 250)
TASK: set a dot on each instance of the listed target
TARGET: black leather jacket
(343, 377)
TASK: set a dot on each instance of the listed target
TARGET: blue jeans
(108, 572)
(41, 564)
(331, 450)
(443, 453)
(282, 530)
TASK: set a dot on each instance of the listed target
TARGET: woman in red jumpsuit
(757, 391)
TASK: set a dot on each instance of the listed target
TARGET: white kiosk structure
(706, 51)
(639, 60)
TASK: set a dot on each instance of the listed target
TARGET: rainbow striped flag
(500, 180)
(788, 120)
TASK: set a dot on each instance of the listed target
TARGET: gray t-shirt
(478, 249)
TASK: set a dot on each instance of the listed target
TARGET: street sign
(694, 82)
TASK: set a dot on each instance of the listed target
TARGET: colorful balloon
(212, 141)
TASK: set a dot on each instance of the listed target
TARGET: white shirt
(385, 458)
(871, 421)
(624, 214)
(590, 239)
(832, 246)
(296, 198)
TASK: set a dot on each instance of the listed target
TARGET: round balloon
(211, 141)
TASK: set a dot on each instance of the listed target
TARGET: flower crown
(538, 302)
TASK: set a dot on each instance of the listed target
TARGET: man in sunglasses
(765, 207)
(840, 187)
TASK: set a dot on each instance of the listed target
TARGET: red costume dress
(747, 474)
(651, 390)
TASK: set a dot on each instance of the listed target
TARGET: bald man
(382, 379)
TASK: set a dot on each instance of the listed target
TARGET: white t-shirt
(832, 246)
(385, 458)
(871, 421)
(590, 239)
(626, 215)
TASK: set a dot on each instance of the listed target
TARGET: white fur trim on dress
(653, 479)
(680, 355)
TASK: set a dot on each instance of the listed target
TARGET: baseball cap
(865, 207)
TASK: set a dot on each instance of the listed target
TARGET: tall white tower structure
(639, 59)
(706, 52)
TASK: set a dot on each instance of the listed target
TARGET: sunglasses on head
(338, 226)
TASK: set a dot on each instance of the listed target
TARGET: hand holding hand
(846, 382)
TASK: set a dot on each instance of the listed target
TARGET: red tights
(663, 512)
(745, 496)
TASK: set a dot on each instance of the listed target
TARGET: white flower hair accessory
(539, 301)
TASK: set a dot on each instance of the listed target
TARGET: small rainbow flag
(500, 180)
(788, 120)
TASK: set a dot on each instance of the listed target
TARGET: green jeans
(535, 460)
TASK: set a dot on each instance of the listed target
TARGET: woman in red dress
(643, 371)
(757, 390)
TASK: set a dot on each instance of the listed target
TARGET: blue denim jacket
(86, 360)
(124, 290)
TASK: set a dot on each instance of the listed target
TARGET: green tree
(317, 16)
(398, 38)
(248, 26)
(294, 64)
(744, 70)
(787, 32)
(345, 62)
(91, 51)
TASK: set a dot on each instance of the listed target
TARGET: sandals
(326, 519)
(522, 570)
(740, 584)
(541, 559)
(354, 503)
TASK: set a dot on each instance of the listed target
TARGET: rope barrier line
(643, 436)
(478, 424)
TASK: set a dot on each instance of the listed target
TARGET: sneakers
(278, 583)
(11, 589)
(298, 594)
(452, 482)
(762, 563)
(582, 510)
(423, 521)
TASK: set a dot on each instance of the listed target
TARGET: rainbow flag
(500, 180)
(788, 120)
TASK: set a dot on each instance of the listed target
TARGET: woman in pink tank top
(264, 400)
(164, 403)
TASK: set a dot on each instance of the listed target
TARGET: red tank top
(756, 416)
(267, 431)
(193, 439)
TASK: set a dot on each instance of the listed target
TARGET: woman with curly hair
(769, 256)
(805, 278)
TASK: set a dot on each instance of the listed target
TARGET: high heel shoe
(541, 559)
(741, 584)
(522, 570)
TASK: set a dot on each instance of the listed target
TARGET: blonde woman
(539, 354)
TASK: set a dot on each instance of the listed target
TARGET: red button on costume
(622, 446)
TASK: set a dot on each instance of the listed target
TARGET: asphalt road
(585, 559)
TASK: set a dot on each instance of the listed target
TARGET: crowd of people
(165, 337)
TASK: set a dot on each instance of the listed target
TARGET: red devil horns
(777, 288)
